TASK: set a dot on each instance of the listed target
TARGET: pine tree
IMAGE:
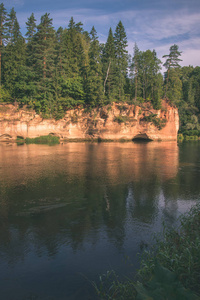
(3, 16)
(109, 66)
(121, 59)
(10, 21)
(154, 87)
(73, 58)
(94, 82)
(15, 54)
(60, 51)
(44, 47)
(28, 75)
(135, 69)
(172, 61)
(31, 27)
(44, 64)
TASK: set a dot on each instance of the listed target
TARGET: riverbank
(181, 137)
(116, 121)
(170, 268)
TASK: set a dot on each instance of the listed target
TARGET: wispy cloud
(14, 2)
(150, 29)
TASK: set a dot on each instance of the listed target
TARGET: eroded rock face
(113, 122)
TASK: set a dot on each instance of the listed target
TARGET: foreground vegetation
(52, 70)
(170, 270)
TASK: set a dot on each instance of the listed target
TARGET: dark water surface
(70, 212)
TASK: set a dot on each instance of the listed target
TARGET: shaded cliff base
(114, 122)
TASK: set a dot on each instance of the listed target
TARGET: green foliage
(180, 137)
(121, 60)
(57, 70)
(146, 81)
(170, 270)
(111, 287)
(4, 95)
(31, 27)
(163, 284)
(174, 91)
(94, 82)
(173, 57)
(159, 123)
(172, 63)
(109, 67)
(191, 138)
(178, 251)
(49, 139)
(73, 87)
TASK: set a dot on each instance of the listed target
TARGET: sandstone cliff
(113, 122)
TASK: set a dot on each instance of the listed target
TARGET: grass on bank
(47, 139)
(182, 137)
(170, 270)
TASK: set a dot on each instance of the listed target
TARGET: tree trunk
(136, 88)
(108, 70)
(44, 63)
(167, 83)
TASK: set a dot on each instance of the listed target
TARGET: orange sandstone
(112, 122)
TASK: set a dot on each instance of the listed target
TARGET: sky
(152, 24)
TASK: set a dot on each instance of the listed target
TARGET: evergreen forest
(51, 71)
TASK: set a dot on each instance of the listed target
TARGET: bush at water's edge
(182, 137)
(171, 268)
(48, 139)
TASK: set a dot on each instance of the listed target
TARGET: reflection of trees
(142, 199)
(70, 193)
(114, 213)
(184, 187)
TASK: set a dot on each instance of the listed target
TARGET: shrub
(170, 270)
(48, 139)
(191, 138)
(178, 251)
(159, 123)
(180, 137)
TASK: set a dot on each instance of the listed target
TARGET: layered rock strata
(112, 122)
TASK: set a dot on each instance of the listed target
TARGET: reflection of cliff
(61, 195)
(108, 162)
(114, 122)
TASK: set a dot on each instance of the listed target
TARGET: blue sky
(152, 24)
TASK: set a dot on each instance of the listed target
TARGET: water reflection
(105, 198)
(80, 186)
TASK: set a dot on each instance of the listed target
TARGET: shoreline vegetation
(185, 137)
(47, 139)
(53, 140)
(169, 270)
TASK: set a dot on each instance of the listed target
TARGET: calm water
(70, 212)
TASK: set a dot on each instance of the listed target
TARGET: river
(70, 212)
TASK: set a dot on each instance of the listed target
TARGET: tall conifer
(172, 61)
(3, 15)
(135, 69)
(15, 53)
(44, 63)
(109, 66)
(94, 81)
(120, 39)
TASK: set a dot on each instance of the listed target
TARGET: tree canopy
(51, 71)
